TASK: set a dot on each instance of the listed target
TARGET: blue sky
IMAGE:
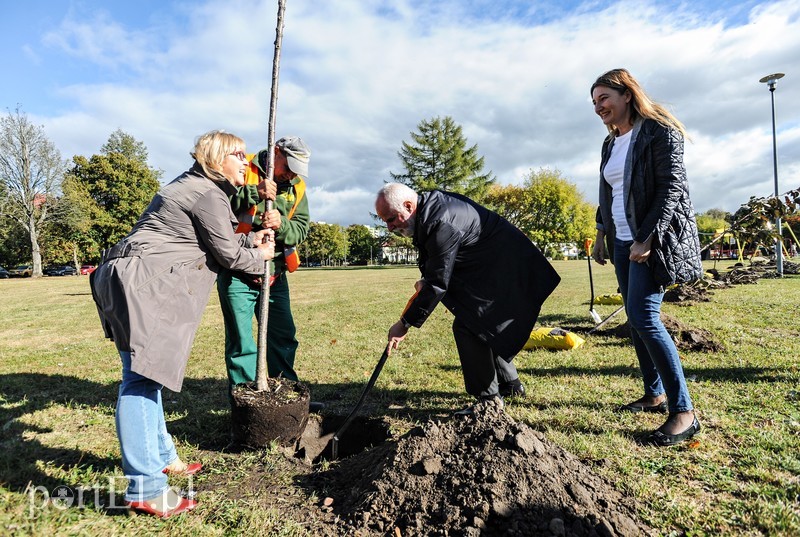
(357, 76)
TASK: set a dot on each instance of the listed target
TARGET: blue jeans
(658, 357)
(146, 446)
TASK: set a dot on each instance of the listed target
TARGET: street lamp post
(770, 81)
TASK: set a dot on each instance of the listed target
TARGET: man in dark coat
(483, 269)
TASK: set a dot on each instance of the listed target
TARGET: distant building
(394, 254)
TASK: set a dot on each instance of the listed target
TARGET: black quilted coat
(656, 202)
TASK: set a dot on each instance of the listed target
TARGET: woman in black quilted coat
(647, 221)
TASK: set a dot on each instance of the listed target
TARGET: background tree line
(66, 212)
(69, 211)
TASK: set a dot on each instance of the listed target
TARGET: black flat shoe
(660, 408)
(658, 438)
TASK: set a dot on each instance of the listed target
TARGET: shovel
(587, 244)
(370, 384)
(367, 388)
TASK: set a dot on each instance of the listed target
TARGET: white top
(614, 173)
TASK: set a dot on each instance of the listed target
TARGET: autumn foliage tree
(753, 221)
(324, 244)
(548, 208)
(709, 224)
(362, 246)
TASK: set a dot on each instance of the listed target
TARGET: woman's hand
(267, 250)
(597, 248)
(262, 236)
(640, 251)
(264, 240)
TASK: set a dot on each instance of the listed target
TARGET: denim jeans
(146, 446)
(658, 357)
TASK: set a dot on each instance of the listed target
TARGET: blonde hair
(211, 148)
(641, 105)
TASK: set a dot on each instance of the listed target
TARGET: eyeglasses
(239, 154)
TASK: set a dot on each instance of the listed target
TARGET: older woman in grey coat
(151, 290)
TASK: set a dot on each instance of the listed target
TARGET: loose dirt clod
(686, 338)
(484, 474)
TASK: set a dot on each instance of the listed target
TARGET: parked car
(3, 273)
(61, 270)
(22, 271)
(87, 269)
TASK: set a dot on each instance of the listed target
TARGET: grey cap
(297, 154)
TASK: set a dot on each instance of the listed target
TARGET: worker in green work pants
(239, 293)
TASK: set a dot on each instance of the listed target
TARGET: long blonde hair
(211, 148)
(641, 105)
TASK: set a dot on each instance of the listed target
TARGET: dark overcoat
(482, 268)
(152, 287)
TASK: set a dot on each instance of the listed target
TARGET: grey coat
(657, 203)
(152, 286)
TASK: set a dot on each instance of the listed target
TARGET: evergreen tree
(438, 157)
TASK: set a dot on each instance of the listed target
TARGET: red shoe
(191, 469)
(152, 507)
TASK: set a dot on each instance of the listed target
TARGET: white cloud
(357, 77)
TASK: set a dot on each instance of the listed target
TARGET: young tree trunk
(261, 364)
(35, 249)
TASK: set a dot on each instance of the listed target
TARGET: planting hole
(362, 433)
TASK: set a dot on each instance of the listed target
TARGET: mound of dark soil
(687, 293)
(686, 338)
(484, 474)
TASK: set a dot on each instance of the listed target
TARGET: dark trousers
(482, 368)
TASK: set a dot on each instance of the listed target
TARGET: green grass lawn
(58, 380)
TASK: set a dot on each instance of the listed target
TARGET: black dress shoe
(658, 438)
(315, 406)
(515, 388)
(638, 407)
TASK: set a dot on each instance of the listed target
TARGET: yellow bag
(610, 299)
(553, 338)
